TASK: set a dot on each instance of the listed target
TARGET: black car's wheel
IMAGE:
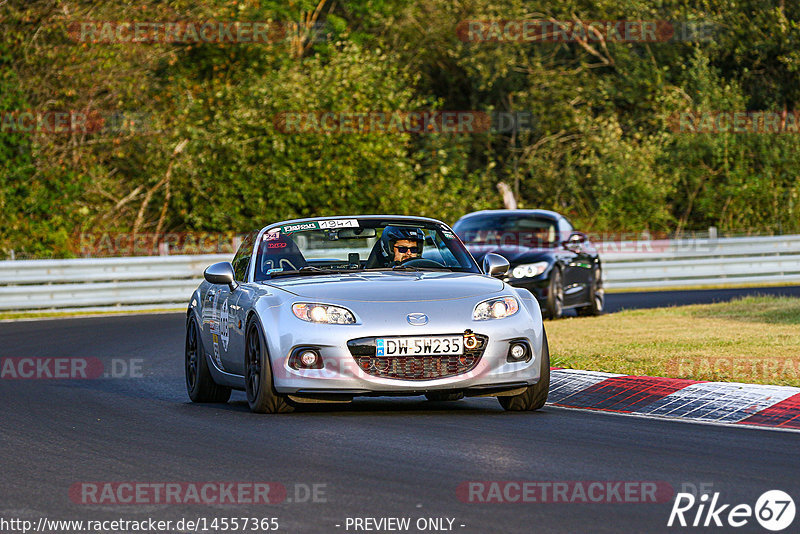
(436, 396)
(596, 296)
(199, 383)
(261, 394)
(554, 307)
(535, 396)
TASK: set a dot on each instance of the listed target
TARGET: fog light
(308, 358)
(305, 358)
(518, 352)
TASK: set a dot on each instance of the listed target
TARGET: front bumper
(342, 374)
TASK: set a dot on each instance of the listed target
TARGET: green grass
(752, 339)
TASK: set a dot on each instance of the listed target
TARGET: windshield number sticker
(289, 228)
(272, 235)
(318, 225)
(339, 223)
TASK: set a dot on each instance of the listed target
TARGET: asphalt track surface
(376, 458)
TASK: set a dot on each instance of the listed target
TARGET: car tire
(535, 396)
(261, 394)
(436, 396)
(199, 383)
(554, 306)
(596, 295)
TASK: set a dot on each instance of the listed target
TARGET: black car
(548, 257)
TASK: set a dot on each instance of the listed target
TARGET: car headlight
(496, 308)
(529, 270)
(323, 313)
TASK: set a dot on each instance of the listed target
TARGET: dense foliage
(205, 153)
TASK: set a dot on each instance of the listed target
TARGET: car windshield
(508, 230)
(351, 245)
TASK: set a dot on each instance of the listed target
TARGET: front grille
(414, 367)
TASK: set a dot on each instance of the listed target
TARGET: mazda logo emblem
(417, 319)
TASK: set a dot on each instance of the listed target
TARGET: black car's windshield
(352, 245)
(519, 230)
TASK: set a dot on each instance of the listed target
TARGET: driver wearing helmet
(400, 244)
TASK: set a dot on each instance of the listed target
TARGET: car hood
(513, 253)
(388, 286)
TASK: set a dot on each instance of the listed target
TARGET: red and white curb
(692, 400)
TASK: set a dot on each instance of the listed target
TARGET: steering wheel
(421, 262)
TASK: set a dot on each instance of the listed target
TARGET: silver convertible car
(327, 309)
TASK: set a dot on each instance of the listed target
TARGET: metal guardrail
(161, 281)
(682, 263)
(112, 282)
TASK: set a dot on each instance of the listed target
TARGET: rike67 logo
(774, 510)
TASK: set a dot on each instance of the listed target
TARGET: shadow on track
(379, 406)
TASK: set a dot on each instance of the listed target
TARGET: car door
(233, 354)
(231, 310)
(570, 276)
(207, 315)
(578, 273)
(219, 323)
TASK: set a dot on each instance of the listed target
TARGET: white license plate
(420, 346)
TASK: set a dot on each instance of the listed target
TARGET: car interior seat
(281, 253)
(375, 259)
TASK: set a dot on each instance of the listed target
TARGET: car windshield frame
(437, 235)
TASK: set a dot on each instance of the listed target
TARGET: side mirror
(220, 274)
(575, 242)
(495, 265)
